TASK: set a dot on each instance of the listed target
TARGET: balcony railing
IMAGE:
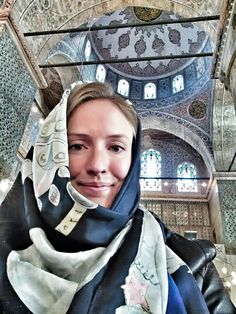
(175, 187)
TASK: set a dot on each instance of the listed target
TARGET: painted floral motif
(54, 195)
(135, 292)
(124, 40)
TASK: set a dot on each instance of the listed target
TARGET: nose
(97, 162)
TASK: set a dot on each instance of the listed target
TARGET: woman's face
(100, 147)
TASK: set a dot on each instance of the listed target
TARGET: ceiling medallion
(145, 14)
(197, 109)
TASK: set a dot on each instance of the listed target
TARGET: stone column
(223, 211)
(20, 78)
(224, 127)
(227, 197)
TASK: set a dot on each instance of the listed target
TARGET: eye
(76, 147)
(116, 148)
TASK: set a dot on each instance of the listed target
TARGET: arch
(163, 124)
(72, 73)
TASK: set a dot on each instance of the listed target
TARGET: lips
(94, 189)
(95, 184)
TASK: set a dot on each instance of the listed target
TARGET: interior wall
(174, 151)
(181, 216)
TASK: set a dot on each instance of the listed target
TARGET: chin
(102, 202)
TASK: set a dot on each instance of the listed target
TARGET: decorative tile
(16, 97)
(227, 196)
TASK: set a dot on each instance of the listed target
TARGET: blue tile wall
(17, 91)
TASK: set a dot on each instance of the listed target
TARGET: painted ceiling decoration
(146, 41)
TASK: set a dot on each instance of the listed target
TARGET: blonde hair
(96, 90)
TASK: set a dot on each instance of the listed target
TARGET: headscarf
(58, 201)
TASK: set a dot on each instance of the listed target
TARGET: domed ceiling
(147, 41)
(185, 112)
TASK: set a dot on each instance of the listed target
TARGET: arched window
(178, 83)
(186, 172)
(150, 91)
(100, 73)
(150, 168)
(123, 87)
(87, 50)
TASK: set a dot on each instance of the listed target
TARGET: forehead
(100, 114)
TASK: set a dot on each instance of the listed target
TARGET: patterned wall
(17, 91)
(173, 151)
(227, 196)
(183, 216)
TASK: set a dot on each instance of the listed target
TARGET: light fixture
(228, 284)
(233, 281)
(233, 274)
(224, 270)
(34, 109)
(4, 185)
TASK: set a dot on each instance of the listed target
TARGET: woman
(76, 239)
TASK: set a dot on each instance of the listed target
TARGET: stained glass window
(150, 168)
(100, 73)
(178, 83)
(150, 91)
(87, 50)
(123, 87)
(186, 172)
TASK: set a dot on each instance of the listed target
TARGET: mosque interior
(175, 61)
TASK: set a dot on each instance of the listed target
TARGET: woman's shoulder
(196, 253)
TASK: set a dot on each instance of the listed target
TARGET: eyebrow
(86, 136)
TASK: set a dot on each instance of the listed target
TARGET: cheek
(121, 168)
(74, 166)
